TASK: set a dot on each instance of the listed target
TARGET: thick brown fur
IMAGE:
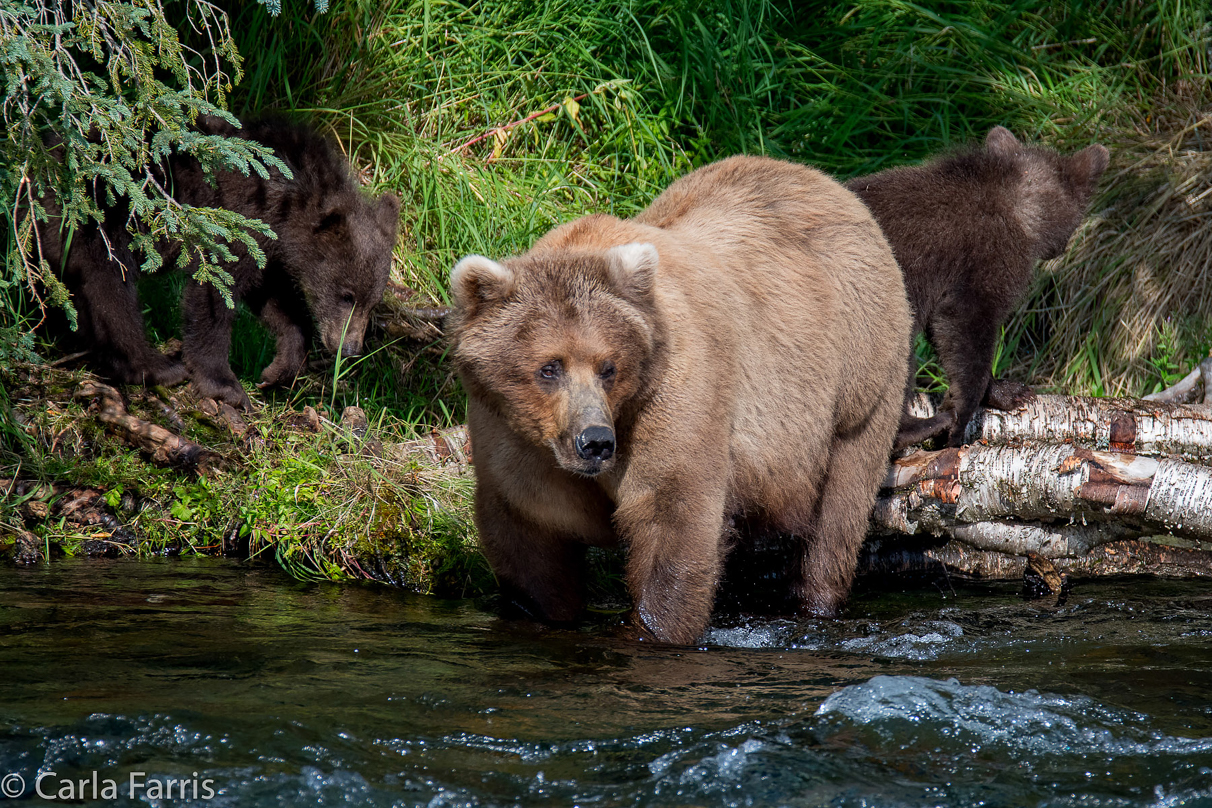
(328, 266)
(967, 230)
(325, 271)
(745, 340)
(98, 266)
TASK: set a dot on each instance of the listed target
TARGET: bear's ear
(1084, 168)
(633, 268)
(1001, 140)
(388, 211)
(477, 280)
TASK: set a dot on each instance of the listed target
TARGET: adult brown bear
(737, 350)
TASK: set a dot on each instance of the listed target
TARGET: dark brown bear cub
(967, 230)
(101, 271)
(325, 271)
(736, 350)
(328, 266)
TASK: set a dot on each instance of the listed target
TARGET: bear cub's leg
(288, 325)
(965, 334)
(206, 325)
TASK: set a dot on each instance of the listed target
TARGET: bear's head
(1056, 188)
(342, 264)
(557, 343)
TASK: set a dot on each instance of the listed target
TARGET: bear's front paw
(1006, 396)
(281, 372)
(228, 390)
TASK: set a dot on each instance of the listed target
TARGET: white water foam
(981, 716)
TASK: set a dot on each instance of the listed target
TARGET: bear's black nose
(595, 443)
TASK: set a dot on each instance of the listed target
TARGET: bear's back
(791, 268)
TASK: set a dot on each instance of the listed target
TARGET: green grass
(851, 87)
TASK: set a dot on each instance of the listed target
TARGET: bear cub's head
(557, 343)
(346, 258)
(1055, 189)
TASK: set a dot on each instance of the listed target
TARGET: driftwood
(1055, 499)
(901, 555)
(1192, 388)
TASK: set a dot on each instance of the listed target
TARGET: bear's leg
(857, 463)
(913, 429)
(111, 315)
(674, 531)
(290, 354)
(540, 572)
(207, 322)
(1006, 395)
(965, 334)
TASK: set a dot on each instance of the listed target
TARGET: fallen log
(1194, 387)
(898, 556)
(164, 447)
(1054, 499)
(1128, 425)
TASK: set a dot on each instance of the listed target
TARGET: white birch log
(1119, 424)
(1055, 499)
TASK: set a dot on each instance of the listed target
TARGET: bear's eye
(551, 370)
(347, 298)
(608, 371)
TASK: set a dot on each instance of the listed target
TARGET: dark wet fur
(967, 230)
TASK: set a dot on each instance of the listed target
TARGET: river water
(238, 686)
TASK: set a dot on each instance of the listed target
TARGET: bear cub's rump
(736, 350)
(967, 230)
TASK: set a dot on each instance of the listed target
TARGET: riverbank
(322, 492)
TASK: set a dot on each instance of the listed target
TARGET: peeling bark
(1054, 499)
(1119, 424)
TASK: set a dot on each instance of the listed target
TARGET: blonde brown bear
(735, 352)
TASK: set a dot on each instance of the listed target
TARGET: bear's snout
(596, 443)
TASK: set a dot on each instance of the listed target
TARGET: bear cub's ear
(1084, 168)
(477, 280)
(1001, 140)
(633, 269)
